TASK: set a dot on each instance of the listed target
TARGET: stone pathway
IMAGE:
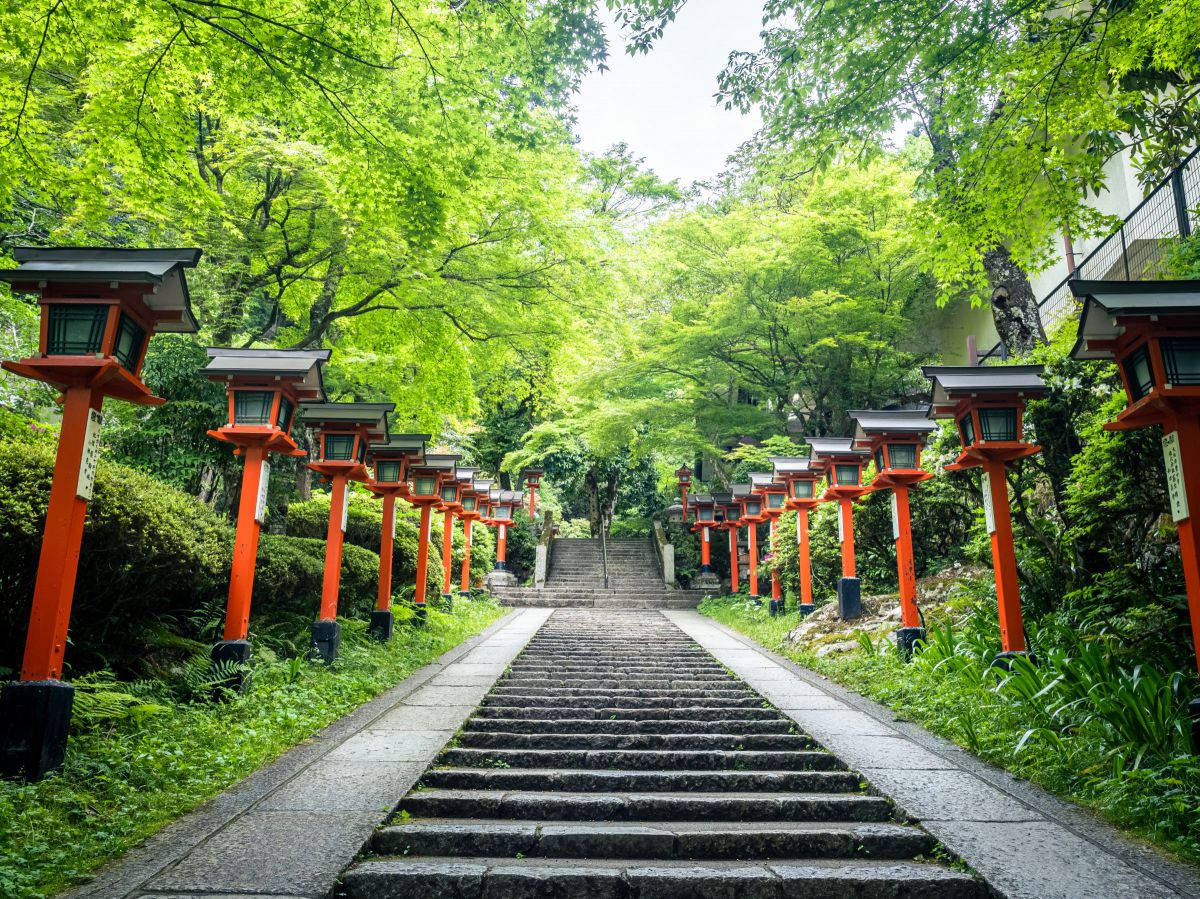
(617, 759)
(612, 754)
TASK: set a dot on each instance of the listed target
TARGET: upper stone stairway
(575, 579)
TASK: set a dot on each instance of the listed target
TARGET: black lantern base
(1004, 660)
(907, 639)
(448, 599)
(238, 652)
(418, 619)
(705, 569)
(34, 717)
(754, 599)
(383, 622)
(326, 640)
(806, 609)
(1194, 714)
(776, 607)
(849, 597)
(499, 566)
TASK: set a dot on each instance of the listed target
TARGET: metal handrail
(1178, 182)
(604, 548)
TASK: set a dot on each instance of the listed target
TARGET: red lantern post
(683, 477)
(391, 462)
(728, 512)
(894, 439)
(533, 480)
(99, 308)
(1151, 329)
(502, 503)
(264, 388)
(425, 493)
(343, 431)
(988, 404)
(801, 481)
(842, 465)
(751, 516)
(706, 520)
(774, 495)
(478, 497)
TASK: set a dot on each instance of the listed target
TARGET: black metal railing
(1139, 250)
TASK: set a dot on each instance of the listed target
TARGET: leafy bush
(150, 554)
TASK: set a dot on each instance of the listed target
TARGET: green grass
(1088, 723)
(125, 779)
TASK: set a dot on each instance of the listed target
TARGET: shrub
(150, 554)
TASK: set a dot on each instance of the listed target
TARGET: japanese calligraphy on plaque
(989, 511)
(1176, 486)
(91, 456)
(895, 517)
(264, 481)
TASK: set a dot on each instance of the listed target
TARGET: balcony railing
(1137, 251)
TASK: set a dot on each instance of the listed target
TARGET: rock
(831, 648)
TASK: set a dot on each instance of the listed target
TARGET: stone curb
(1179, 878)
(131, 875)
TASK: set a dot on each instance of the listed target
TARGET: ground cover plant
(142, 753)
(1094, 721)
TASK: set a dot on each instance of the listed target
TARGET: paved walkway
(290, 828)
(1024, 842)
(611, 772)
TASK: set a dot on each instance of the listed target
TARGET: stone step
(616, 726)
(626, 701)
(453, 837)
(684, 713)
(550, 602)
(419, 877)
(726, 742)
(583, 780)
(566, 806)
(641, 759)
(634, 682)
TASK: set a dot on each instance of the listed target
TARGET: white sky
(662, 103)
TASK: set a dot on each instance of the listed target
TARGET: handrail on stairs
(604, 549)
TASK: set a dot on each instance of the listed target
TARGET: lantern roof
(825, 448)
(764, 480)
(954, 382)
(466, 474)
(791, 466)
(532, 472)
(722, 499)
(483, 485)
(372, 416)
(442, 461)
(888, 422)
(1106, 301)
(703, 499)
(740, 490)
(400, 446)
(303, 367)
(161, 269)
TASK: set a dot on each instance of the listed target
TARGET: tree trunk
(1014, 306)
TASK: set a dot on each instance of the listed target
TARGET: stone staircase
(576, 579)
(617, 759)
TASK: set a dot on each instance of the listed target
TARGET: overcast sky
(662, 103)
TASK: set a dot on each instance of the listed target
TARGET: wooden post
(501, 545)
(733, 560)
(335, 536)
(1188, 429)
(245, 547)
(846, 511)
(909, 616)
(752, 548)
(705, 550)
(58, 562)
(383, 601)
(1004, 560)
(465, 585)
(776, 585)
(422, 559)
(447, 553)
(804, 552)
